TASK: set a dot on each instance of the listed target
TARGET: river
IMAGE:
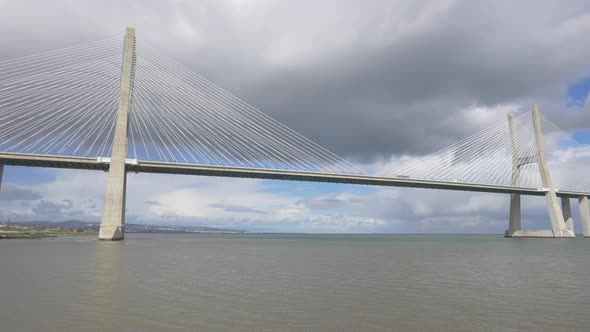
(295, 282)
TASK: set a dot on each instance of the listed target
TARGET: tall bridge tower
(560, 216)
(112, 225)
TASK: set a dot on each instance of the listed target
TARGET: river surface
(295, 282)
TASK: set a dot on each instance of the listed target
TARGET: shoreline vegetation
(39, 234)
(46, 229)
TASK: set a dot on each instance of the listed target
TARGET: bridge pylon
(557, 215)
(1, 174)
(584, 215)
(112, 225)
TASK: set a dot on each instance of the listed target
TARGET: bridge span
(135, 166)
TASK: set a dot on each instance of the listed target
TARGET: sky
(376, 82)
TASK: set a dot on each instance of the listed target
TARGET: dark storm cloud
(394, 97)
(365, 79)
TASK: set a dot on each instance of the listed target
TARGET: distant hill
(84, 226)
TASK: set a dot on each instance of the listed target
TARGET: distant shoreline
(40, 229)
(16, 235)
(32, 234)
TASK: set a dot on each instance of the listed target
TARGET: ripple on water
(282, 282)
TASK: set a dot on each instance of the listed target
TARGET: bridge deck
(223, 171)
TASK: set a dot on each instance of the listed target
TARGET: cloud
(14, 193)
(48, 208)
(227, 207)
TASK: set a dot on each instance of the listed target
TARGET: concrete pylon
(515, 224)
(585, 215)
(1, 174)
(567, 214)
(555, 213)
(112, 225)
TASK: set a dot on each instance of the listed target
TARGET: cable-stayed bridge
(85, 108)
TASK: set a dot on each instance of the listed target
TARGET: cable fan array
(484, 158)
(65, 103)
(179, 117)
(567, 159)
(62, 102)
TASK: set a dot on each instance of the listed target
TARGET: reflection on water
(294, 283)
(104, 295)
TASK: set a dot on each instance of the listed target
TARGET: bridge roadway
(17, 159)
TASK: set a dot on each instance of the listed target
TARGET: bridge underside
(11, 159)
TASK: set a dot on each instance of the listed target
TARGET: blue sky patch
(577, 93)
(582, 136)
(23, 176)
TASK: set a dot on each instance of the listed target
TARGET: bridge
(84, 108)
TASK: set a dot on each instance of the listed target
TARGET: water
(274, 282)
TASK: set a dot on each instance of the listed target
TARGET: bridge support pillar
(112, 225)
(1, 174)
(585, 215)
(567, 214)
(514, 225)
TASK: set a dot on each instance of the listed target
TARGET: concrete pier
(112, 225)
(515, 223)
(584, 215)
(1, 174)
(567, 214)
(534, 234)
(555, 213)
